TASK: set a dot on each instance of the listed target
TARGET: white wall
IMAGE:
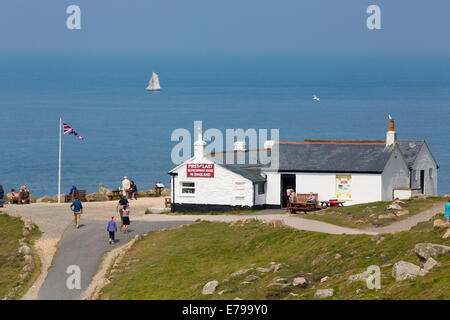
(424, 161)
(395, 175)
(364, 187)
(220, 190)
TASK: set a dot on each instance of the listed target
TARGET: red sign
(200, 170)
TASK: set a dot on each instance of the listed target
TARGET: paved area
(84, 248)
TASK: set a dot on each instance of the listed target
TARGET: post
(59, 169)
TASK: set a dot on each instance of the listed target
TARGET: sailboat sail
(153, 84)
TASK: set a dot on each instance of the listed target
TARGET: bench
(115, 194)
(167, 202)
(81, 194)
(302, 204)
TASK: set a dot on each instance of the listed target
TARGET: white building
(357, 171)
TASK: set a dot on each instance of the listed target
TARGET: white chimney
(391, 135)
(240, 146)
(199, 145)
(269, 144)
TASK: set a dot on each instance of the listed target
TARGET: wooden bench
(81, 194)
(167, 202)
(302, 203)
(115, 194)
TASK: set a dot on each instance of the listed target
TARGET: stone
(278, 285)
(96, 197)
(446, 234)
(246, 282)
(299, 282)
(277, 223)
(367, 210)
(165, 192)
(210, 287)
(430, 264)
(439, 224)
(430, 250)
(394, 206)
(23, 276)
(403, 270)
(25, 250)
(103, 190)
(323, 293)
(274, 268)
(291, 294)
(224, 291)
(324, 279)
(28, 259)
(251, 278)
(28, 268)
(386, 216)
(337, 256)
(363, 276)
(402, 213)
(283, 280)
(240, 272)
(358, 291)
(237, 298)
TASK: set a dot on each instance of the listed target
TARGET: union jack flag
(68, 130)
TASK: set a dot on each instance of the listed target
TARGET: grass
(366, 215)
(231, 212)
(11, 262)
(177, 263)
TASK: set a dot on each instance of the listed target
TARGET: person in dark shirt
(77, 209)
(123, 202)
(133, 190)
(72, 190)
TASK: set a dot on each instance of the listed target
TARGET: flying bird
(316, 98)
(390, 118)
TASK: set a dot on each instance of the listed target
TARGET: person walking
(447, 212)
(111, 228)
(126, 218)
(123, 202)
(125, 186)
(77, 209)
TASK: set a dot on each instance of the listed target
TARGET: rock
(430, 264)
(394, 206)
(274, 268)
(28, 268)
(403, 270)
(96, 197)
(386, 216)
(439, 224)
(23, 276)
(326, 278)
(446, 234)
(337, 256)
(246, 282)
(277, 223)
(49, 199)
(427, 250)
(358, 291)
(240, 272)
(299, 282)
(402, 213)
(278, 285)
(323, 293)
(165, 192)
(277, 279)
(103, 190)
(367, 210)
(210, 287)
(25, 250)
(138, 237)
(251, 278)
(28, 259)
(291, 294)
(237, 298)
(224, 291)
(363, 276)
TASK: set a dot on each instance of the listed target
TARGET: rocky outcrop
(363, 276)
(403, 270)
(446, 234)
(323, 293)
(103, 190)
(430, 250)
(48, 199)
(210, 287)
(96, 197)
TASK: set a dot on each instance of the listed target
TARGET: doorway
(286, 180)
(422, 181)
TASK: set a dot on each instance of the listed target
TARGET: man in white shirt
(125, 186)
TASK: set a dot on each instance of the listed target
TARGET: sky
(225, 26)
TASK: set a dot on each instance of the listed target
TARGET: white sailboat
(153, 84)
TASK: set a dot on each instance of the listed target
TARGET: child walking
(112, 228)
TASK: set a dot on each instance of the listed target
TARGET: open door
(286, 180)
(422, 181)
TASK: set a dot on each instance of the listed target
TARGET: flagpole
(59, 171)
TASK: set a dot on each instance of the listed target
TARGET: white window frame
(239, 188)
(184, 187)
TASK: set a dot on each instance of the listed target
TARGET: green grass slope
(176, 264)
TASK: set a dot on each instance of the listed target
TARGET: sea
(128, 130)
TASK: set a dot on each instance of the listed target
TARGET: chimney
(391, 135)
(240, 146)
(269, 144)
(199, 145)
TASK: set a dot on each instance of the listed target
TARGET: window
(430, 172)
(260, 188)
(188, 187)
(240, 190)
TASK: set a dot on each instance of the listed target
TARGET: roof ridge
(332, 142)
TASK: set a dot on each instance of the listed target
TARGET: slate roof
(410, 149)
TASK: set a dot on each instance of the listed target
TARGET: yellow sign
(344, 186)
